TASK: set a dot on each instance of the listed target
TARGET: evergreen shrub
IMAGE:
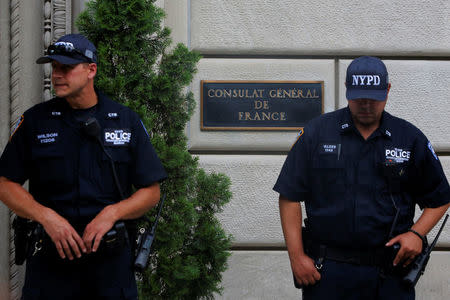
(137, 68)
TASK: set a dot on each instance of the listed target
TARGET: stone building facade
(258, 40)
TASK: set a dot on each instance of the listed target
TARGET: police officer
(73, 192)
(355, 168)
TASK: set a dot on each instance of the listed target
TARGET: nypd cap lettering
(366, 80)
(65, 44)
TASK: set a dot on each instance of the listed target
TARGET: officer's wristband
(424, 241)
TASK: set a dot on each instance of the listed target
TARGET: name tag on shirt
(329, 148)
(46, 138)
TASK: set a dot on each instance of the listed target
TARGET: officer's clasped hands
(97, 228)
(67, 241)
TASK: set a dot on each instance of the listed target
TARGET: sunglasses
(67, 49)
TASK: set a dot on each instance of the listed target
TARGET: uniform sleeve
(431, 188)
(292, 182)
(14, 162)
(147, 167)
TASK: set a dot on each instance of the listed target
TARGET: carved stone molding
(16, 28)
(16, 43)
(57, 17)
(57, 22)
(47, 42)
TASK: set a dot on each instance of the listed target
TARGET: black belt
(116, 241)
(369, 257)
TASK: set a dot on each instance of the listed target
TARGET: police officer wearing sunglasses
(80, 181)
(360, 172)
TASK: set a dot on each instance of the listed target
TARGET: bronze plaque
(259, 105)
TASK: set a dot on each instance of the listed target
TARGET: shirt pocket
(397, 177)
(328, 186)
(328, 170)
(121, 158)
(49, 164)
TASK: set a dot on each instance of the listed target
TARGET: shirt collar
(385, 128)
(346, 124)
(61, 107)
(100, 99)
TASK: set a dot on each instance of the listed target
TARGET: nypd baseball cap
(70, 49)
(367, 78)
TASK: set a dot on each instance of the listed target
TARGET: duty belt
(114, 240)
(369, 257)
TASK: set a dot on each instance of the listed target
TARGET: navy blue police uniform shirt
(345, 181)
(68, 170)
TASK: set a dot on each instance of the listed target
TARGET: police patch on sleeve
(117, 137)
(430, 147)
(19, 122)
(145, 129)
(300, 133)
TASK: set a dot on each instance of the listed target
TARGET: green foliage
(135, 67)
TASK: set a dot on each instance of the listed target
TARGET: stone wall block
(252, 215)
(321, 27)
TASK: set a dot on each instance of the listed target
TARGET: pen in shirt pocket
(338, 151)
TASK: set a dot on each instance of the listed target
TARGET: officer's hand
(411, 246)
(305, 271)
(64, 236)
(97, 228)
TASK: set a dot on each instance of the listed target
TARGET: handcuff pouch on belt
(23, 238)
(115, 239)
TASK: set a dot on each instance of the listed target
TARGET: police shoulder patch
(430, 147)
(16, 127)
(300, 133)
(145, 129)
